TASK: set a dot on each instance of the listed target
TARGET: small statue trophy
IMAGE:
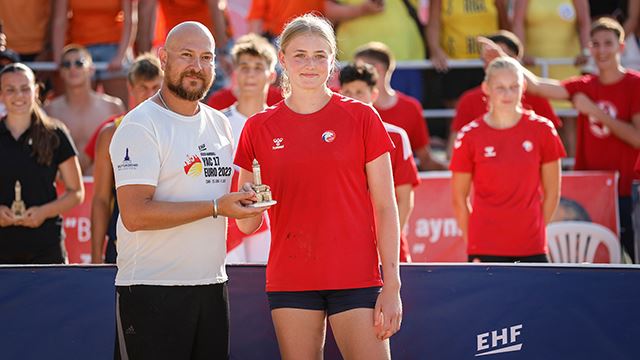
(263, 192)
(18, 207)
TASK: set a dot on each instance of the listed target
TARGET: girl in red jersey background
(326, 159)
(512, 158)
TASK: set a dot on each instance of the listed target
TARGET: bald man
(172, 161)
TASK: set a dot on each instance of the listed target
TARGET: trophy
(18, 207)
(263, 192)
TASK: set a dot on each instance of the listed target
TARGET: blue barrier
(461, 311)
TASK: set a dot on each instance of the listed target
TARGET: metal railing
(417, 64)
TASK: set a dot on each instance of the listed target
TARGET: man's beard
(193, 95)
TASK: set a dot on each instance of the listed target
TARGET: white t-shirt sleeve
(135, 156)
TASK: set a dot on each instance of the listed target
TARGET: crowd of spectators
(93, 44)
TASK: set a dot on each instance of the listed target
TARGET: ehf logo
(499, 341)
(277, 143)
(527, 145)
(597, 128)
(489, 151)
(328, 136)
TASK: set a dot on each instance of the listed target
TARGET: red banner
(77, 226)
(434, 235)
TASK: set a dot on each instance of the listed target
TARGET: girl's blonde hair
(302, 25)
(504, 63)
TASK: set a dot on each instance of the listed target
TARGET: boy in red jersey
(473, 102)
(397, 108)
(358, 81)
(609, 121)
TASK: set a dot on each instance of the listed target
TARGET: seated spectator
(144, 80)
(27, 34)
(397, 108)
(473, 103)
(451, 33)
(80, 107)
(106, 29)
(359, 82)
(34, 150)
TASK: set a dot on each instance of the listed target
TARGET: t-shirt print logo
(277, 143)
(489, 151)
(597, 128)
(527, 145)
(193, 166)
(126, 163)
(328, 136)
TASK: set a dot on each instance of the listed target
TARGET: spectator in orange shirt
(268, 17)
(27, 33)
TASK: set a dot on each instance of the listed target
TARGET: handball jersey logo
(597, 128)
(193, 166)
(328, 136)
(527, 145)
(277, 143)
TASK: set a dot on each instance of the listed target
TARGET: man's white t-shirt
(186, 158)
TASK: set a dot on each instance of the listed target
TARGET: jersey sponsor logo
(193, 166)
(597, 128)
(277, 143)
(527, 145)
(328, 136)
(126, 163)
(489, 151)
(499, 341)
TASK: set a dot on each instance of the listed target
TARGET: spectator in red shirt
(397, 108)
(473, 102)
(512, 158)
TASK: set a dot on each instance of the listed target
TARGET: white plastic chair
(577, 242)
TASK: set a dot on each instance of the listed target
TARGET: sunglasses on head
(77, 63)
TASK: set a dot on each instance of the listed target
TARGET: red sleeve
(90, 147)
(465, 111)
(636, 167)
(376, 138)
(575, 84)
(404, 168)
(542, 107)
(552, 147)
(462, 157)
(245, 152)
(222, 99)
(418, 133)
(257, 10)
(635, 88)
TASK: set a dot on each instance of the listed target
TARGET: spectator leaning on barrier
(144, 80)
(34, 150)
(358, 81)
(172, 161)
(608, 132)
(512, 158)
(326, 159)
(397, 108)
(473, 103)
(81, 108)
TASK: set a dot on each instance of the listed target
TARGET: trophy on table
(18, 207)
(263, 192)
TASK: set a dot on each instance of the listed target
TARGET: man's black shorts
(172, 322)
